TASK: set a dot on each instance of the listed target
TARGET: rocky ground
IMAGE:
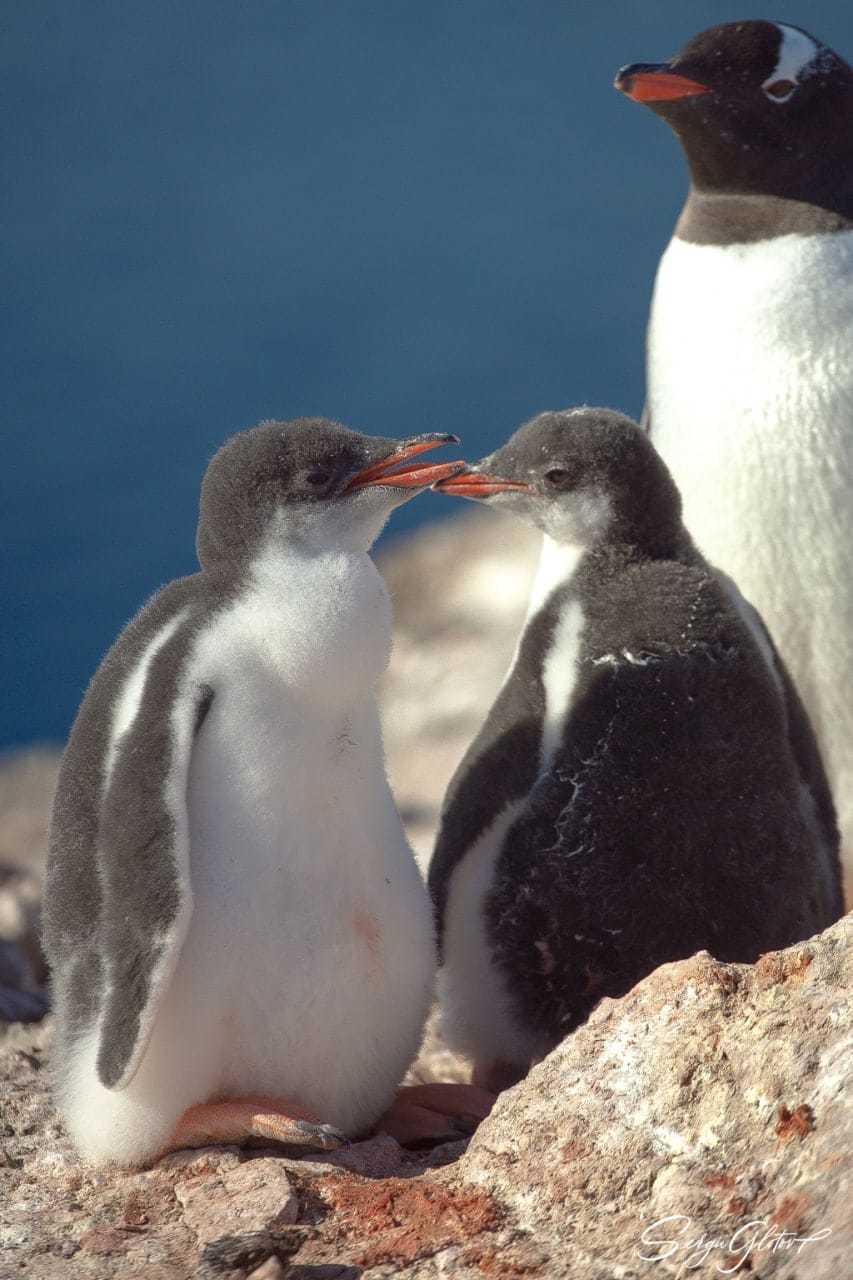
(700, 1125)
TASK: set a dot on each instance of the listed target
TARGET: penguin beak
(656, 82)
(476, 484)
(418, 475)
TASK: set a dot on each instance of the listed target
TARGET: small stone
(15, 1236)
(198, 1161)
(378, 1157)
(250, 1250)
(255, 1197)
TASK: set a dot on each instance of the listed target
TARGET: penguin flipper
(143, 861)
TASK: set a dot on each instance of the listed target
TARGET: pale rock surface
(239, 1200)
(716, 1096)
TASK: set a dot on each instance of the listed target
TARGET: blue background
(410, 216)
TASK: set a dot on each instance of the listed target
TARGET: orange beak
(474, 484)
(420, 475)
(651, 82)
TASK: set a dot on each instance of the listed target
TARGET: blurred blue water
(407, 216)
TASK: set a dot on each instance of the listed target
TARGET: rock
(717, 1095)
(255, 1196)
(701, 1120)
(199, 1160)
(378, 1157)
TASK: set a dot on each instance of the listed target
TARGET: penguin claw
(324, 1136)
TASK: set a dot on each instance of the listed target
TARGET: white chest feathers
(751, 398)
(319, 625)
(751, 386)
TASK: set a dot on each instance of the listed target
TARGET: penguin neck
(278, 563)
(807, 164)
(741, 217)
(558, 563)
(307, 547)
(562, 563)
(322, 616)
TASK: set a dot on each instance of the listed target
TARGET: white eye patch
(797, 51)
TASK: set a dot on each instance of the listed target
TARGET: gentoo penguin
(241, 944)
(646, 784)
(750, 345)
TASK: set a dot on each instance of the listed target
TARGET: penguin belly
(308, 966)
(311, 934)
(751, 399)
(476, 1004)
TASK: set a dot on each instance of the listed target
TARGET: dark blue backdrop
(407, 215)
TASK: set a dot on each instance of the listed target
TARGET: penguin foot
(427, 1114)
(236, 1120)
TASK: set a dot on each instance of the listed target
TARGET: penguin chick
(240, 941)
(750, 359)
(646, 784)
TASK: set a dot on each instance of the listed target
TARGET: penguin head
(759, 107)
(584, 476)
(311, 481)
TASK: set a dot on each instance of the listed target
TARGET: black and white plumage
(645, 785)
(232, 907)
(750, 345)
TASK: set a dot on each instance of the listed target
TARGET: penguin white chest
(310, 941)
(751, 400)
(751, 387)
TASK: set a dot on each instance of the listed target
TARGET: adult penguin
(750, 344)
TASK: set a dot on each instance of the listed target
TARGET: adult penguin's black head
(759, 107)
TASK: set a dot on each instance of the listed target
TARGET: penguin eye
(558, 478)
(780, 90)
(318, 477)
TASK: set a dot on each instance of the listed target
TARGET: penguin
(646, 784)
(750, 343)
(241, 944)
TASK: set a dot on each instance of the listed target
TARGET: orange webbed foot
(427, 1114)
(236, 1120)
